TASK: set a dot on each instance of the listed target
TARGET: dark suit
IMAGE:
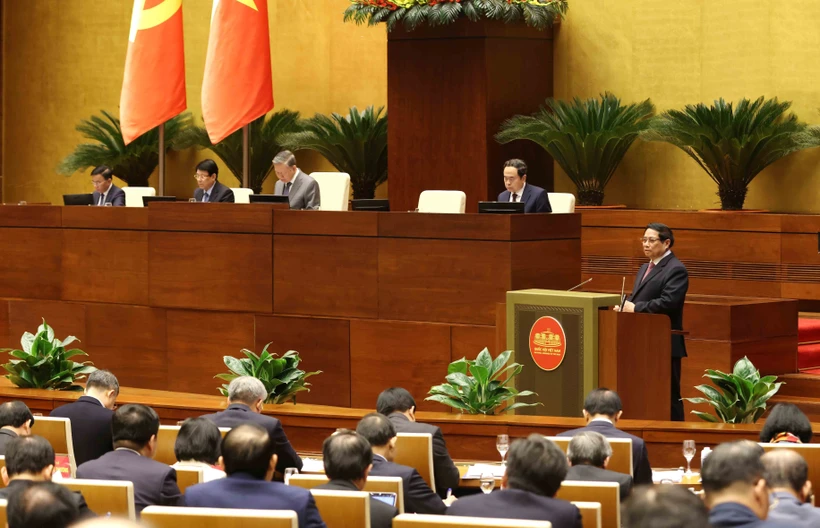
(785, 507)
(596, 474)
(641, 470)
(239, 413)
(381, 514)
(6, 436)
(79, 500)
(446, 473)
(304, 192)
(155, 484)
(115, 196)
(734, 515)
(418, 496)
(664, 292)
(241, 490)
(218, 193)
(535, 199)
(518, 504)
(90, 427)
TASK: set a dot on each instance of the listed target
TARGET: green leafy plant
(265, 143)
(477, 386)
(133, 163)
(588, 138)
(740, 397)
(733, 143)
(355, 144)
(280, 375)
(44, 363)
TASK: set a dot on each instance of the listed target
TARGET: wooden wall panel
(31, 263)
(549, 264)
(6, 340)
(468, 341)
(30, 216)
(65, 318)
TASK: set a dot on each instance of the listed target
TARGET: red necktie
(648, 270)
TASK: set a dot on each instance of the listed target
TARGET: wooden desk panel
(705, 220)
(30, 216)
(31, 267)
(340, 223)
(211, 217)
(548, 264)
(444, 226)
(135, 218)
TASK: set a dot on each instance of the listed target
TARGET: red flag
(153, 89)
(237, 87)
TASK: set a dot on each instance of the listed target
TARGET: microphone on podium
(579, 285)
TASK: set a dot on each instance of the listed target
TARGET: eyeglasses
(651, 240)
(510, 179)
(201, 177)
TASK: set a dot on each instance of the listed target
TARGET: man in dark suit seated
(134, 428)
(348, 460)
(666, 506)
(518, 190)
(104, 189)
(535, 469)
(42, 505)
(246, 398)
(302, 190)
(400, 408)
(787, 474)
(418, 496)
(91, 416)
(250, 459)
(30, 459)
(588, 454)
(210, 190)
(602, 410)
(15, 420)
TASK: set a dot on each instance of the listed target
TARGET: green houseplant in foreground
(44, 363)
(742, 394)
(475, 386)
(280, 375)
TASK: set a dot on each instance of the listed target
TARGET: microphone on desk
(579, 285)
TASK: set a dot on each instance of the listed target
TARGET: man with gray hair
(302, 190)
(246, 397)
(787, 474)
(589, 453)
(91, 416)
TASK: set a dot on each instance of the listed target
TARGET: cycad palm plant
(355, 144)
(733, 143)
(588, 138)
(265, 142)
(132, 163)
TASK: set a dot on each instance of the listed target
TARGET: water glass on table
(502, 443)
(689, 451)
(487, 482)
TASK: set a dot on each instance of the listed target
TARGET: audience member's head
(16, 416)
(28, 458)
(135, 426)
(589, 448)
(603, 403)
(248, 449)
(284, 165)
(664, 506)
(733, 472)
(515, 175)
(198, 441)
(786, 423)
(103, 385)
(785, 470)
(249, 391)
(396, 399)
(347, 456)
(379, 433)
(101, 178)
(535, 464)
(41, 505)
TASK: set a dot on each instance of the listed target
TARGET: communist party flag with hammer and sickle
(237, 87)
(153, 89)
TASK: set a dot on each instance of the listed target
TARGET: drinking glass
(22, 202)
(108, 204)
(487, 482)
(192, 200)
(502, 443)
(689, 451)
(289, 472)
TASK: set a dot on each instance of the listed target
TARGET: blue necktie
(205, 197)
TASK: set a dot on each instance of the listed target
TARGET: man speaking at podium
(660, 288)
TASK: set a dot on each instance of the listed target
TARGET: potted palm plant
(588, 138)
(733, 143)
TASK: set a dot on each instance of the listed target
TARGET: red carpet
(808, 353)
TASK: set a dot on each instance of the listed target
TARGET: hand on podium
(628, 307)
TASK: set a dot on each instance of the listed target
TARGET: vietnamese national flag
(237, 87)
(153, 89)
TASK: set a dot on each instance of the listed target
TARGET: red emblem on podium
(548, 343)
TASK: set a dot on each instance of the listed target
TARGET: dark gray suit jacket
(6, 436)
(518, 504)
(219, 193)
(90, 427)
(418, 496)
(303, 194)
(785, 507)
(596, 474)
(381, 514)
(115, 196)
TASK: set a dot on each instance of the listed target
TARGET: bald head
(248, 449)
(785, 469)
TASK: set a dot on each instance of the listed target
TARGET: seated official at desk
(104, 189)
(518, 190)
(210, 190)
(302, 190)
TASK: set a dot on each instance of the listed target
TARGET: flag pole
(246, 155)
(162, 159)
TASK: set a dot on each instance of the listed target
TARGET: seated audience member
(348, 460)
(400, 408)
(207, 179)
(302, 190)
(665, 506)
(518, 190)
(787, 474)
(246, 397)
(602, 410)
(535, 469)
(104, 189)
(91, 416)
(134, 428)
(786, 423)
(41, 505)
(30, 459)
(418, 496)
(15, 420)
(197, 446)
(735, 490)
(250, 459)
(588, 455)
